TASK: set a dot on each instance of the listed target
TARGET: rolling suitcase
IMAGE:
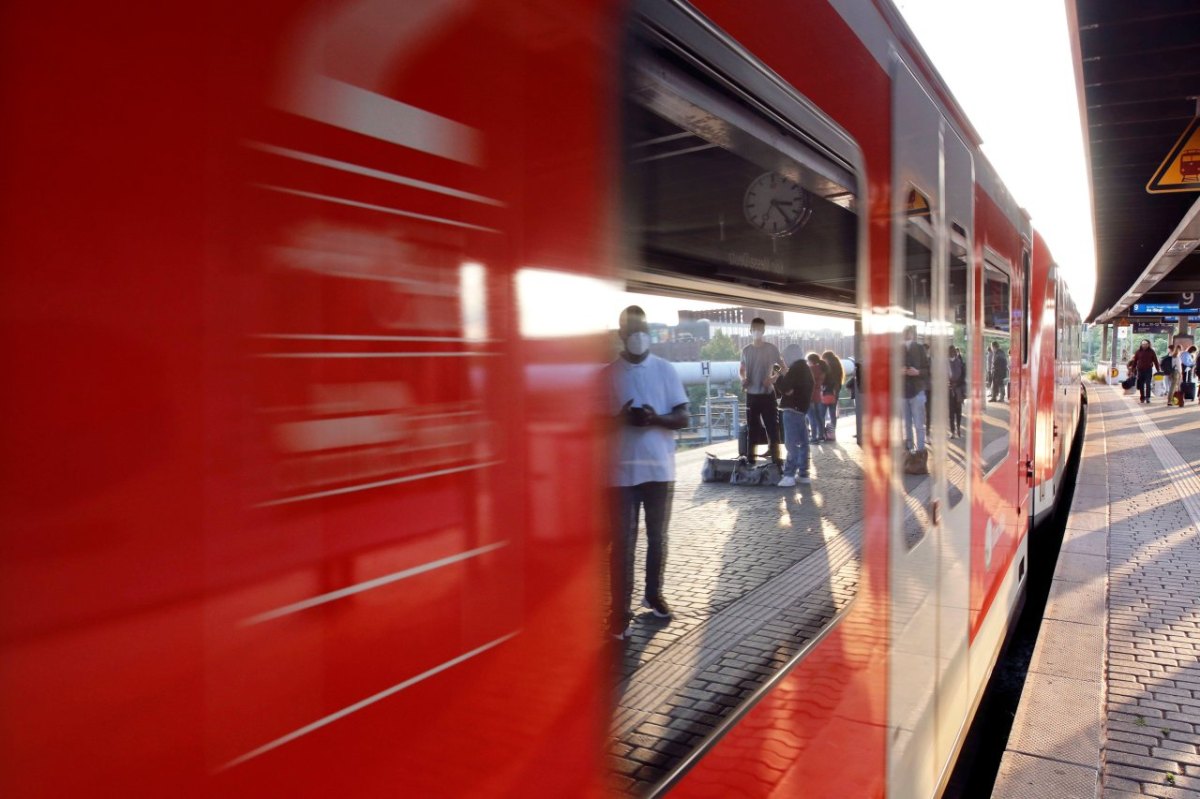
(1189, 390)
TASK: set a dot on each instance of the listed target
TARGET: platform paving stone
(753, 574)
(1142, 606)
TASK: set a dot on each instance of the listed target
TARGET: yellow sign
(917, 204)
(1180, 170)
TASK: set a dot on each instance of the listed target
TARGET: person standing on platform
(989, 353)
(1187, 363)
(835, 376)
(1145, 361)
(1171, 368)
(916, 375)
(999, 372)
(958, 390)
(816, 410)
(648, 399)
(758, 372)
(795, 391)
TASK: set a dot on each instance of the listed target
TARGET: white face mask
(638, 343)
(758, 335)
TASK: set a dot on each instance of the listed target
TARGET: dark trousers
(1145, 378)
(956, 403)
(627, 501)
(761, 411)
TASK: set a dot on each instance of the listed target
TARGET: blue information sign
(1157, 309)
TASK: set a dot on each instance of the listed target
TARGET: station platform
(1111, 703)
(753, 573)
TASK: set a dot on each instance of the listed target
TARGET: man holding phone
(650, 404)
(761, 366)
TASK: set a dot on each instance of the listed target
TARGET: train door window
(997, 342)
(731, 213)
(959, 370)
(916, 303)
(1026, 294)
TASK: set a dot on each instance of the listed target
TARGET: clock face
(775, 205)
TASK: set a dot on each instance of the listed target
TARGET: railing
(723, 417)
(719, 420)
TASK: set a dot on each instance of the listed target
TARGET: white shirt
(644, 454)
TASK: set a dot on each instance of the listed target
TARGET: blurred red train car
(303, 490)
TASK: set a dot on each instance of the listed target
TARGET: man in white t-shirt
(761, 366)
(649, 404)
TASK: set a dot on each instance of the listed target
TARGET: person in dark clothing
(1145, 361)
(999, 373)
(795, 391)
(958, 390)
(916, 377)
(816, 411)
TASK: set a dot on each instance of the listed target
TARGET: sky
(1008, 63)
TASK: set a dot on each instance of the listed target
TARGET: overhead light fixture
(1181, 246)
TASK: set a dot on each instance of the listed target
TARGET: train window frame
(1027, 299)
(994, 261)
(731, 70)
(820, 144)
(957, 236)
(919, 225)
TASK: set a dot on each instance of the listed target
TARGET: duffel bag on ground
(717, 470)
(766, 473)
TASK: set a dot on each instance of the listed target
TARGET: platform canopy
(1138, 71)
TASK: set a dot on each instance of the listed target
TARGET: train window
(731, 215)
(958, 424)
(718, 192)
(997, 355)
(1026, 294)
(912, 395)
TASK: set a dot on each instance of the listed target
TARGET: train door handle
(1029, 469)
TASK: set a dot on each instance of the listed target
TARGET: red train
(304, 494)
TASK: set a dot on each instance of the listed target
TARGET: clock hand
(776, 204)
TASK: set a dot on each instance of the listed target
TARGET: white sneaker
(803, 480)
(786, 482)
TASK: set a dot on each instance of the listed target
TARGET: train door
(920, 667)
(1021, 390)
(955, 540)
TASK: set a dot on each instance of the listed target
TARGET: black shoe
(658, 606)
(620, 629)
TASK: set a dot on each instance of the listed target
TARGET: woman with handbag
(816, 409)
(835, 376)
